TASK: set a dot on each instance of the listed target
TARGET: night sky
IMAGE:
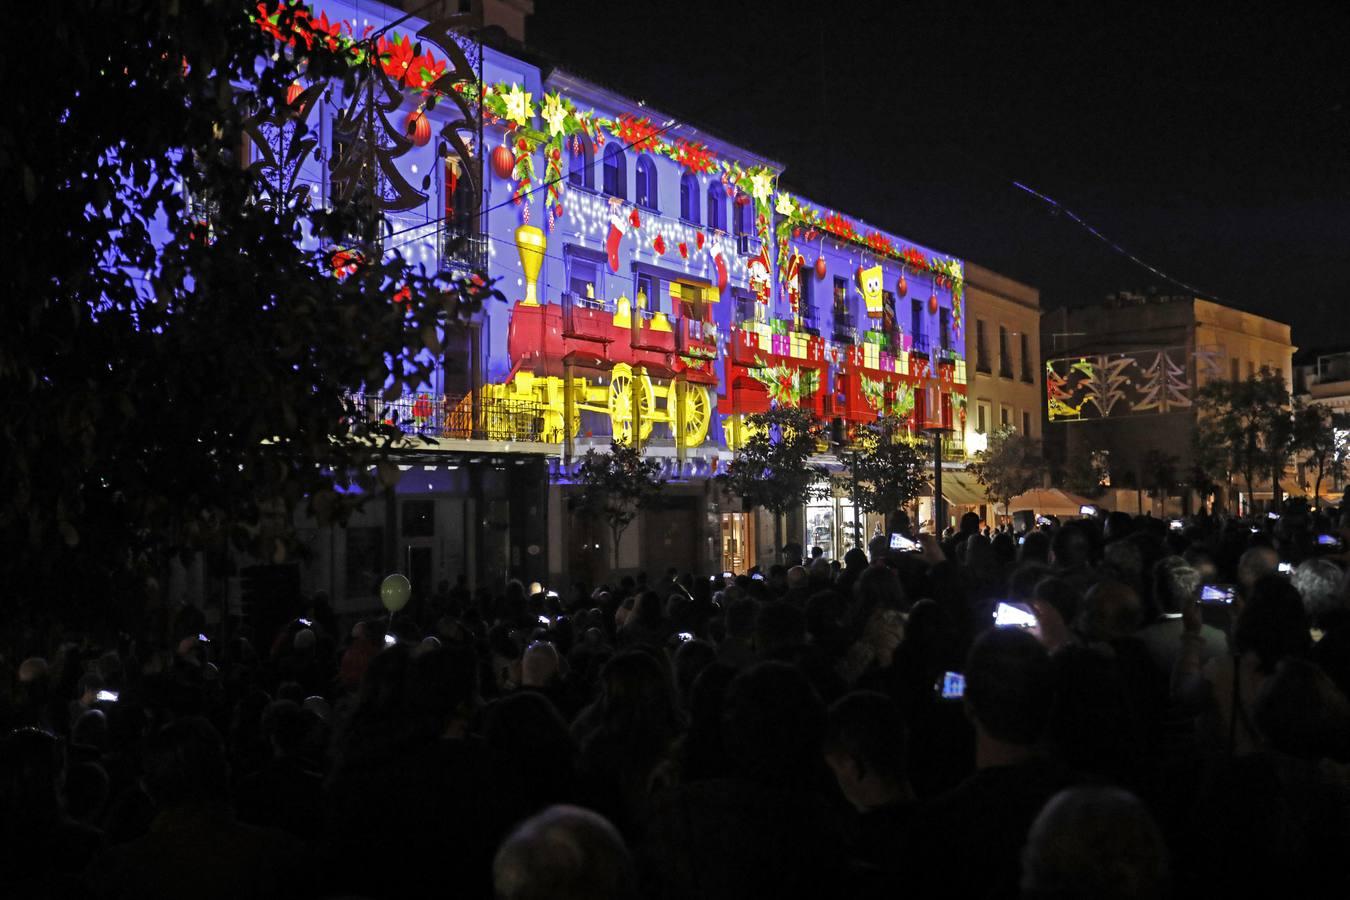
(1215, 148)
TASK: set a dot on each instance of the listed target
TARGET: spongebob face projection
(870, 281)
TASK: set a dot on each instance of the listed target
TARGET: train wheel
(621, 404)
(697, 415)
(736, 428)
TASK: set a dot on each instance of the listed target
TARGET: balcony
(460, 249)
(953, 448)
(696, 338)
(453, 416)
(748, 245)
(654, 332)
(586, 317)
(843, 327)
(920, 344)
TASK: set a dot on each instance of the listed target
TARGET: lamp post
(939, 504)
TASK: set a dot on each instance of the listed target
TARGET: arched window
(689, 198)
(717, 207)
(646, 183)
(581, 159)
(616, 173)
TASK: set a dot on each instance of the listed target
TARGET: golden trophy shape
(530, 243)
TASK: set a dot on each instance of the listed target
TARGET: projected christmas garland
(1117, 384)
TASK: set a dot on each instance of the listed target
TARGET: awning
(1049, 501)
(959, 489)
(1288, 486)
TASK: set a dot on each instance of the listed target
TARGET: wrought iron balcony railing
(452, 416)
(462, 249)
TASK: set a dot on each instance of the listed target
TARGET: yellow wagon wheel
(697, 414)
(736, 428)
(621, 404)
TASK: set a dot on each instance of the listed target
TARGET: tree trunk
(1317, 490)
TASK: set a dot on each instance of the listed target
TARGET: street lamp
(937, 430)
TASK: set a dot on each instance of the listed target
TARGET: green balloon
(394, 592)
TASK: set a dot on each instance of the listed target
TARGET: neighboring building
(1121, 378)
(661, 286)
(1003, 353)
(1323, 377)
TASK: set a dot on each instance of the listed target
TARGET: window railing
(453, 416)
(580, 302)
(462, 249)
(919, 343)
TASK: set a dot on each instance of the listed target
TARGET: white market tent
(1048, 502)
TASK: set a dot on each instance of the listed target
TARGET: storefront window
(847, 537)
(820, 521)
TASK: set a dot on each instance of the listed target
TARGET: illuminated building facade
(661, 287)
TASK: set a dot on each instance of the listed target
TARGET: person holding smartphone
(1270, 626)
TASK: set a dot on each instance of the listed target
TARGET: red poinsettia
(693, 156)
(837, 225)
(640, 134)
(424, 71)
(396, 56)
(880, 243)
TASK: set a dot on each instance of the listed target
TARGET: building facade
(661, 288)
(1003, 360)
(1121, 381)
(1323, 377)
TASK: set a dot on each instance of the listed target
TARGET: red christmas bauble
(820, 268)
(901, 286)
(742, 198)
(418, 127)
(502, 162)
(932, 304)
(293, 92)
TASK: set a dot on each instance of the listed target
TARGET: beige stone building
(1003, 371)
(1138, 405)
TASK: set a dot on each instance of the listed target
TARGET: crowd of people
(1165, 714)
